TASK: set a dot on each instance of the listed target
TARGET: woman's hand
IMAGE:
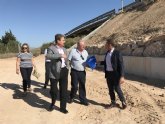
(17, 65)
(17, 71)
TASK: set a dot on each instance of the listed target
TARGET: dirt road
(146, 104)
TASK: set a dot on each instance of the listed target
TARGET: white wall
(150, 67)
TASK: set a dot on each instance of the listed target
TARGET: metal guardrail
(131, 6)
(136, 4)
(98, 19)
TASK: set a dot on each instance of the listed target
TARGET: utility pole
(122, 5)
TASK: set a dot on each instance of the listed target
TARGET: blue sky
(37, 21)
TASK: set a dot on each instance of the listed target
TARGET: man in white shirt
(47, 67)
(114, 73)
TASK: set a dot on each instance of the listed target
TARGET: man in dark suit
(58, 72)
(114, 73)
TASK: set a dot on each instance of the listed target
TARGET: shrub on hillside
(43, 47)
(36, 52)
(2, 48)
(71, 41)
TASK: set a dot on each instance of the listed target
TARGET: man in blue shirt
(77, 58)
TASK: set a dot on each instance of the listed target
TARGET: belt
(76, 70)
(109, 71)
(64, 67)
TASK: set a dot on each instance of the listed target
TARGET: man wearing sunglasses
(77, 58)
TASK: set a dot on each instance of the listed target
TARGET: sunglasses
(24, 48)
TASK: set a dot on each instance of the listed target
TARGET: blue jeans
(26, 75)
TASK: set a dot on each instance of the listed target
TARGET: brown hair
(23, 46)
(110, 42)
(58, 37)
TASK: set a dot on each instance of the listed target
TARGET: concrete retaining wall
(150, 67)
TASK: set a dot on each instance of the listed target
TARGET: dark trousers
(114, 85)
(63, 85)
(26, 75)
(47, 72)
(78, 77)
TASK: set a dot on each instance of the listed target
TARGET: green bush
(2, 48)
(71, 41)
(68, 43)
(8, 43)
(12, 47)
(36, 52)
(44, 46)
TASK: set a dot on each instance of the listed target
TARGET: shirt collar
(79, 51)
(58, 47)
(112, 50)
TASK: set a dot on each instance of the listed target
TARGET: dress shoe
(112, 105)
(84, 103)
(70, 100)
(124, 105)
(51, 108)
(64, 111)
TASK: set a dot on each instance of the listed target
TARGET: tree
(13, 47)
(8, 43)
(8, 37)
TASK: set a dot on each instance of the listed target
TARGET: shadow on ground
(31, 99)
(149, 81)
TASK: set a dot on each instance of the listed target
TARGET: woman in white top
(25, 64)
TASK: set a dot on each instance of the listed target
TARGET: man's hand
(63, 56)
(122, 80)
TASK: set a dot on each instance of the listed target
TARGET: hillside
(138, 33)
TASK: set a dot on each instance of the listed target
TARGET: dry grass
(36, 52)
(8, 55)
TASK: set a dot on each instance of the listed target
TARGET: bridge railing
(102, 17)
(100, 20)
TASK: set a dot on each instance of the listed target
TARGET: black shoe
(112, 105)
(70, 100)
(51, 108)
(64, 111)
(124, 105)
(84, 103)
